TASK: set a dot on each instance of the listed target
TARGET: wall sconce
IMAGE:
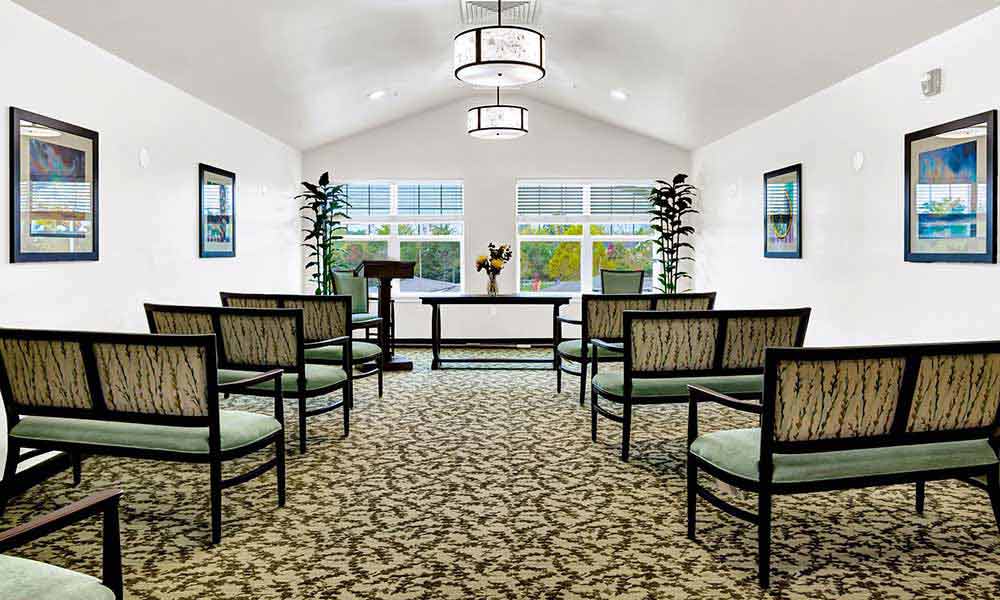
(930, 83)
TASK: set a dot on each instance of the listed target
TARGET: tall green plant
(323, 206)
(672, 202)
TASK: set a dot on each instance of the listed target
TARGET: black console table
(482, 300)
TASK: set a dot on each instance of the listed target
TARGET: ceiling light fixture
(619, 94)
(377, 95)
(500, 55)
(497, 121)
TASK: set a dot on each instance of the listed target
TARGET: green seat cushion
(317, 377)
(23, 579)
(614, 384)
(737, 451)
(362, 317)
(572, 348)
(236, 428)
(354, 286)
(360, 352)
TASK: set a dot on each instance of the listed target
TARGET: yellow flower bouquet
(493, 264)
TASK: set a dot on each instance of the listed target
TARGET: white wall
(434, 145)
(852, 271)
(148, 217)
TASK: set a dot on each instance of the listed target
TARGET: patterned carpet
(484, 484)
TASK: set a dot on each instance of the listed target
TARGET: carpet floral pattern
(484, 484)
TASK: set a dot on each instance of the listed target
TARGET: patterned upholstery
(260, 340)
(684, 302)
(163, 380)
(46, 373)
(955, 392)
(604, 314)
(182, 322)
(673, 344)
(746, 339)
(249, 301)
(324, 317)
(828, 399)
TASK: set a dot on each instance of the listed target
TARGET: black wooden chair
(134, 395)
(322, 322)
(601, 318)
(24, 578)
(845, 418)
(622, 282)
(664, 352)
(251, 340)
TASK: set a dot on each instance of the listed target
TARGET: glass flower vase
(491, 285)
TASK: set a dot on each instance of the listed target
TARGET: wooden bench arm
(337, 341)
(569, 321)
(698, 394)
(105, 502)
(232, 386)
(614, 347)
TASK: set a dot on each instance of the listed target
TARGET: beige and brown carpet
(484, 484)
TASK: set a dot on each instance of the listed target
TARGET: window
(418, 221)
(568, 231)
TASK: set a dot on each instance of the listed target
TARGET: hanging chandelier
(497, 121)
(500, 55)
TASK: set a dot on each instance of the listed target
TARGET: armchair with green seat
(621, 282)
(350, 283)
(24, 579)
(665, 351)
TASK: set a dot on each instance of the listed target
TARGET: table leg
(436, 336)
(555, 337)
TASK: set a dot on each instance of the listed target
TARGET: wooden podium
(385, 271)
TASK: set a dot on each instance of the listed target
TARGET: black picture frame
(17, 252)
(989, 254)
(795, 170)
(203, 252)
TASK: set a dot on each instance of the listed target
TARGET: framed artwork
(950, 191)
(783, 213)
(53, 189)
(216, 212)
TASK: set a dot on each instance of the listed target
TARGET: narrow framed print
(53, 189)
(950, 191)
(216, 212)
(783, 213)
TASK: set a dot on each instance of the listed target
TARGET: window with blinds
(430, 198)
(619, 200)
(550, 199)
(368, 199)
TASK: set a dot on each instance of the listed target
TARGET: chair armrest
(613, 347)
(569, 321)
(252, 380)
(337, 341)
(54, 521)
(698, 393)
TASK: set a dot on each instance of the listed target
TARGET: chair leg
(77, 468)
(993, 489)
(215, 469)
(7, 475)
(302, 425)
(380, 372)
(764, 538)
(692, 497)
(279, 466)
(921, 488)
(583, 382)
(626, 428)
(348, 401)
(558, 376)
(593, 414)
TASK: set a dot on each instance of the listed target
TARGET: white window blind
(549, 199)
(619, 200)
(368, 199)
(430, 198)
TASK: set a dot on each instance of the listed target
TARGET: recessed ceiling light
(378, 95)
(619, 94)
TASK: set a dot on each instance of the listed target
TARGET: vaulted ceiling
(695, 70)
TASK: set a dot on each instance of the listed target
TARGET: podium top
(388, 269)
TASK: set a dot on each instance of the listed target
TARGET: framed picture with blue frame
(216, 212)
(950, 191)
(783, 213)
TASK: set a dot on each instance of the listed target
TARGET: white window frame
(586, 239)
(394, 220)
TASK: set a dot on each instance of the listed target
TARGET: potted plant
(493, 264)
(671, 204)
(323, 206)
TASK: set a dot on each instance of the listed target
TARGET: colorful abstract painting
(946, 183)
(783, 213)
(60, 197)
(217, 212)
